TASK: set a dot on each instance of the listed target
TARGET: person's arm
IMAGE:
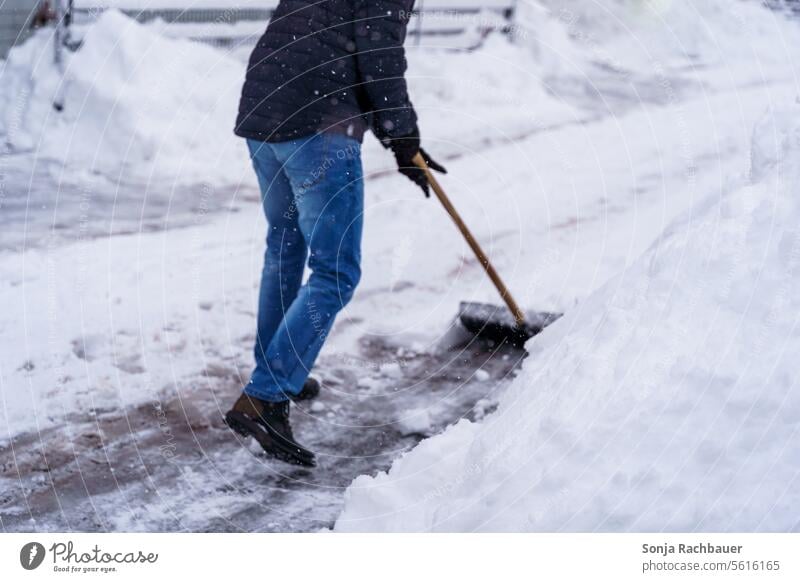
(380, 32)
(380, 29)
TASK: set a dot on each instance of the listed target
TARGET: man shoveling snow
(319, 77)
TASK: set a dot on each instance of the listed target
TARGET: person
(321, 75)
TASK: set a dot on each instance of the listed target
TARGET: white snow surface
(667, 400)
(663, 400)
(129, 316)
(138, 105)
(236, 4)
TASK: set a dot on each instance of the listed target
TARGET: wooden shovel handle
(476, 248)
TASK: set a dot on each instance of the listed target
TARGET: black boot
(310, 390)
(268, 423)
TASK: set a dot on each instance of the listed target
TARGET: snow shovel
(497, 323)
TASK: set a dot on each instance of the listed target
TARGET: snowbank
(666, 401)
(140, 104)
(132, 99)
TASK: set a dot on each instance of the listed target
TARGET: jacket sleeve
(380, 29)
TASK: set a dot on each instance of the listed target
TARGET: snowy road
(44, 207)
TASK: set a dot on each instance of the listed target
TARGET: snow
(416, 421)
(140, 106)
(637, 36)
(239, 4)
(133, 101)
(665, 399)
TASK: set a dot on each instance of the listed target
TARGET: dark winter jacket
(329, 65)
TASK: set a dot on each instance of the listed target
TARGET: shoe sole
(272, 444)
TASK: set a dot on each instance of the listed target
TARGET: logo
(31, 555)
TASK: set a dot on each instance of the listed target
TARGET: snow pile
(666, 401)
(132, 99)
(634, 35)
(461, 97)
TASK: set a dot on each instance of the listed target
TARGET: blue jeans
(313, 196)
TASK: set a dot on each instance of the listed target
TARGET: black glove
(405, 148)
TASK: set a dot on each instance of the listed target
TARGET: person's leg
(327, 181)
(284, 261)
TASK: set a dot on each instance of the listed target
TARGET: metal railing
(243, 25)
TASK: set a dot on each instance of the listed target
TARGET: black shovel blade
(496, 323)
